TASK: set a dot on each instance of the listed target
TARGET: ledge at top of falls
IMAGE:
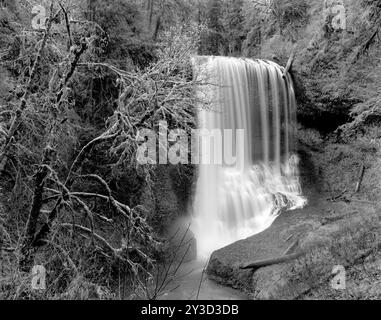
(203, 59)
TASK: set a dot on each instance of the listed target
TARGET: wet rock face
(182, 242)
(169, 195)
(307, 229)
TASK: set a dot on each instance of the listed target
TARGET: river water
(186, 285)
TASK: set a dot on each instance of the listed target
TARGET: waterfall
(236, 200)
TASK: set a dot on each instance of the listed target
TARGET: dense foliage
(74, 98)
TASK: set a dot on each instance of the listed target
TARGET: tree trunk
(149, 15)
(31, 226)
(157, 28)
(31, 240)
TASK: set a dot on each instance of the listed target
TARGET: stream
(186, 285)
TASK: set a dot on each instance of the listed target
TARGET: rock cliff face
(329, 70)
(168, 201)
(168, 195)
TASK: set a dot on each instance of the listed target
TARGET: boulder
(304, 230)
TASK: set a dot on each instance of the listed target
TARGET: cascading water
(234, 202)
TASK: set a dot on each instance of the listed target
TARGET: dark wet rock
(182, 241)
(168, 195)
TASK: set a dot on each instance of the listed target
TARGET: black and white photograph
(214, 152)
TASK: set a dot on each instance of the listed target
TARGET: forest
(79, 79)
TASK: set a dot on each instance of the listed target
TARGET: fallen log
(269, 262)
(338, 197)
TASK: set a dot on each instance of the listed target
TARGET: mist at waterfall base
(239, 201)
